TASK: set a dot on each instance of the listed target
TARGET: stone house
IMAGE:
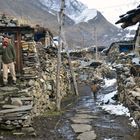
(117, 48)
(35, 90)
(19, 35)
(22, 37)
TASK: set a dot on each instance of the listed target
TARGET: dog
(94, 88)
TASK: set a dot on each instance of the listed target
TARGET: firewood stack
(30, 56)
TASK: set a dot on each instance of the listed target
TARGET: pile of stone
(19, 105)
(16, 106)
(48, 64)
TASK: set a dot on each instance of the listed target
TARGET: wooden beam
(60, 20)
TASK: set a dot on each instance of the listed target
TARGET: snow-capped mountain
(86, 15)
(79, 21)
(74, 9)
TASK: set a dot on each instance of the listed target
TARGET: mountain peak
(86, 15)
(72, 6)
(73, 9)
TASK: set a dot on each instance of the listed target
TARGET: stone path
(87, 121)
(81, 125)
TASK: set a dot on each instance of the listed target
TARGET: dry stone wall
(128, 86)
(32, 96)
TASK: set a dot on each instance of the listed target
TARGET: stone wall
(32, 96)
(128, 87)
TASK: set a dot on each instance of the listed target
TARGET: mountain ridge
(39, 13)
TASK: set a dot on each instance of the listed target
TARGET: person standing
(8, 59)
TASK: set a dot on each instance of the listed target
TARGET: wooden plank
(18, 55)
(72, 74)
(23, 98)
(9, 106)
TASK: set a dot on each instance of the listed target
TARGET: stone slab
(23, 98)
(90, 135)
(78, 128)
(79, 120)
(83, 111)
(22, 108)
(9, 106)
(9, 89)
(85, 116)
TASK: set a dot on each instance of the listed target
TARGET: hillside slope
(79, 27)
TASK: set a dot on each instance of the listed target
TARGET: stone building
(35, 91)
(117, 48)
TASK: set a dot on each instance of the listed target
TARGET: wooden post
(72, 74)
(18, 52)
(61, 35)
(60, 20)
(70, 65)
(95, 38)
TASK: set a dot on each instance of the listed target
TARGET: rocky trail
(91, 122)
(84, 119)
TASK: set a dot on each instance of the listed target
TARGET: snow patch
(86, 15)
(136, 60)
(51, 4)
(109, 82)
(129, 35)
(133, 122)
(116, 110)
(108, 97)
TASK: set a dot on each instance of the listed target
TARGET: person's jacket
(8, 54)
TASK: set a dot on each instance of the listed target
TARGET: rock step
(90, 135)
(78, 128)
